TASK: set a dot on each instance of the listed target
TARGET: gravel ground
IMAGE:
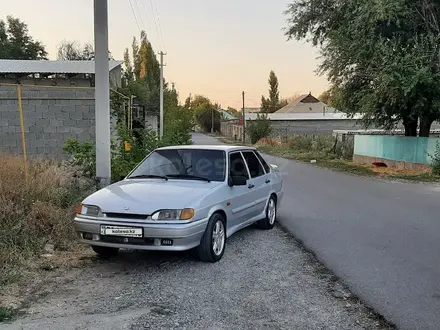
(264, 281)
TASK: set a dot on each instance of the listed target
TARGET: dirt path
(264, 281)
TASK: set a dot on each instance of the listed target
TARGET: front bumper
(156, 237)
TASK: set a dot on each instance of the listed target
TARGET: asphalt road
(382, 238)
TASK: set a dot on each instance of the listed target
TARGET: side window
(254, 164)
(266, 167)
(237, 165)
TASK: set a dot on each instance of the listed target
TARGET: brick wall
(51, 116)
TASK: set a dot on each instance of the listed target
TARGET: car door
(259, 183)
(241, 202)
(273, 177)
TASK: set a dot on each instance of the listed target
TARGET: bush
(327, 145)
(259, 128)
(435, 162)
(37, 212)
(82, 154)
(301, 143)
(142, 142)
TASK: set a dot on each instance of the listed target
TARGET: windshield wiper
(148, 176)
(188, 176)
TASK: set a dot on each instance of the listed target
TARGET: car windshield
(185, 164)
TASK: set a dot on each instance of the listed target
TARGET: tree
(73, 51)
(325, 97)
(128, 72)
(272, 103)
(17, 44)
(381, 58)
(178, 121)
(142, 79)
(259, 128)
(136, 58)
(205, 111)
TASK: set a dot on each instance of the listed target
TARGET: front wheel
(212, 245)
(271, 215)
(104, 251)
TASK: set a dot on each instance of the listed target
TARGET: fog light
(87, 236)
(96, 237)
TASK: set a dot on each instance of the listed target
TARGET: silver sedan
(182, 198)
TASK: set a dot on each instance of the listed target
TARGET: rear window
(265, 165)
(254, 165)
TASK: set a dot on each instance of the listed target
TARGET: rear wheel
(212, 245)
(271, 214)
(104, 251)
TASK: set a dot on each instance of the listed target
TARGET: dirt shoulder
(265, 281)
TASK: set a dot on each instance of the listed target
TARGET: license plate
(121, 231)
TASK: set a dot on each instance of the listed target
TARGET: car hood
(147, 196)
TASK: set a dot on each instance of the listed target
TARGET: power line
(140, 16)
(160, 27)
(155, 20)
(146, 15)
(135, 18)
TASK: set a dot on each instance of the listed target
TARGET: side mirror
(237, 181)
(275, 167)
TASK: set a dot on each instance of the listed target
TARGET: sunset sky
(214, 48)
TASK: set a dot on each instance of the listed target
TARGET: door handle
(267, 181)
(251, 186)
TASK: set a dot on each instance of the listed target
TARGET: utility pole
(161, 93)
(102, 94)
(212, 121)
(244, 121)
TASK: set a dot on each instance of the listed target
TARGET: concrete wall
(396, 149)
(51, 116)
(284, 128)
(287, 128)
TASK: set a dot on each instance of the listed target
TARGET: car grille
(126, 216)
(127, 240)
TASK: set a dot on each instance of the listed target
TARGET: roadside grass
(33, 214)
(8, 314)
(330, 154)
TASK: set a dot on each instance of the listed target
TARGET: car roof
(221, 147)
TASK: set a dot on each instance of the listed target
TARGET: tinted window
(237, 165)
(265, 165)
(208, 164)
(253, 163)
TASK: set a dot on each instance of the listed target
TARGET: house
(58, 102)
(56, 73)
(226, 115)
(307, 103)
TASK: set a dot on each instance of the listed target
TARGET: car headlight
(89, 210)
(185, 214)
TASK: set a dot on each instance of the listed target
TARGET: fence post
(23, 138)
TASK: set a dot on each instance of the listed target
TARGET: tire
(104, 251)
(210, 248)
(269, 221)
